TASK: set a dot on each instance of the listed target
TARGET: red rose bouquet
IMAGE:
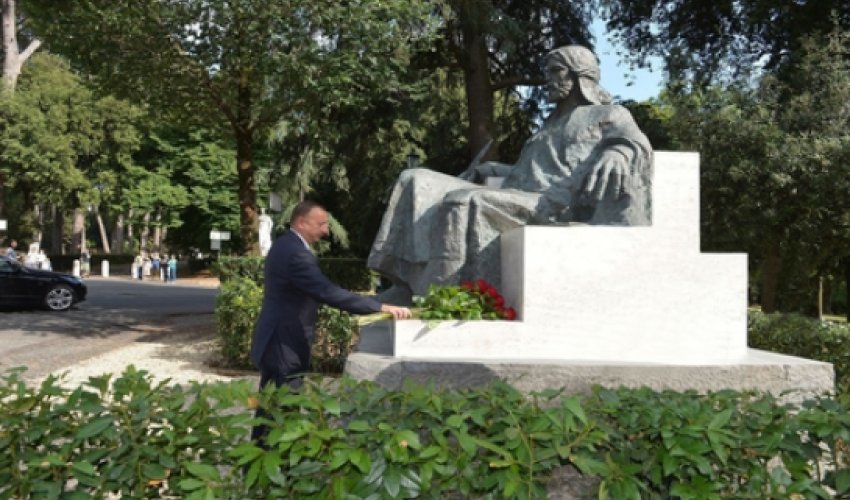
(470, 301)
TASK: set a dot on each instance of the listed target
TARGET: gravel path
(183, 351)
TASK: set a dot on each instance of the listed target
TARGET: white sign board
(220, 235)
(215, 245)
(274, 202)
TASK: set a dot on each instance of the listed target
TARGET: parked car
(22, 286)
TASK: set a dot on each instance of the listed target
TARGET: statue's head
(582, 63)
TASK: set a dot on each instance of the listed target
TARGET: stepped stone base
(792, 378)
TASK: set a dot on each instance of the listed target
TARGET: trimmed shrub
(336, 334)
(802, 336)
(237, 307)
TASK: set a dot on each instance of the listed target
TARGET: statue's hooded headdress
(584, 64)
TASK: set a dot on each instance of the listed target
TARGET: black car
(22, 286)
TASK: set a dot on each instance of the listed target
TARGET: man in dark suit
(294, 288)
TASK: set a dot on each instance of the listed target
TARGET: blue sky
(616, 76)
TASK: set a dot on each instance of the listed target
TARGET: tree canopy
(236, 67)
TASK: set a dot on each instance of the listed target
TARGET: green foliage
(469, 301)
(126, 436)
(805, 337)
(58, 140)
(133, 438)
(713, 40)
(721, 445)
(775, 169)
(237, 307)
(336, 334)
(654, 119)
(348, 272)
(243, 69)
(229, 268)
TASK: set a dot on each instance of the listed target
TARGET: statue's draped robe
(442, 230)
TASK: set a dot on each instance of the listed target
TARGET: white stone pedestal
(613, 297)
(609, 293)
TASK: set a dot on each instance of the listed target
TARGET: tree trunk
(78, 232)
(144, 236)
(130, 236)
(770, 269)
(247, 193)
(157, 230)
(118, 234)
(103, 238)
(845, 264)
(14, 59)
(57, 233)
(39, 221)
(479, 94)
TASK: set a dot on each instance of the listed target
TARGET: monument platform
(792, 378)
(607, 305)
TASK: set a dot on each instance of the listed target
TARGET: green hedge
(345, 439)
(347, 272)
(805, 337)
(230, 268)
(237, 307)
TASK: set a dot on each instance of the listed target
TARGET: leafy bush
(798, 335)
(129, 437)
(354, 439)
(335, 335)
(230, 268)
(721, 445)
(237, 307)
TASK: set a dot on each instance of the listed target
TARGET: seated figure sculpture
(589, 163)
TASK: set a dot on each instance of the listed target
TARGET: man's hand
(398, 312)
(607, 175)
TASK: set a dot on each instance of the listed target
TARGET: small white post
(76, 268)
(104, 268)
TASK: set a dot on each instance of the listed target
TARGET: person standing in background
(10, 252)
(172, 268)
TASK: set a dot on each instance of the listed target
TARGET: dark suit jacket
(294, 287)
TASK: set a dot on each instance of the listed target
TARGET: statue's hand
(608, 175)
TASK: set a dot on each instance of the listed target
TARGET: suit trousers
(280, 366)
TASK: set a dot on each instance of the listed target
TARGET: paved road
(117, 311)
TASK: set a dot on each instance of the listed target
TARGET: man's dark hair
(302, 209)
